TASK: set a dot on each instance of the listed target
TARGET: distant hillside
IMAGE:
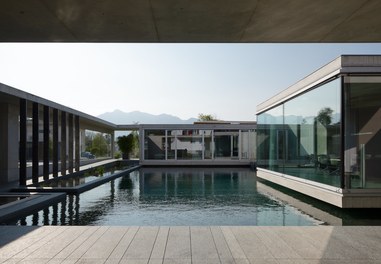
(123, 118)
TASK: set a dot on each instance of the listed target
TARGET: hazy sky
(226, 80)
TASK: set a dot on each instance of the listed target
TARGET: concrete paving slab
(124, 243)
(81, 237)
(53, 233)
(278, 248)
(81, 250)
(177, 261)
(252, 246)
(24, 237)
(263, 261)
(103, 247)
(160, 243)
(302, 247)
(241, 261)
(155, 261)
(178, 245)
(222, 247)
(142, 244)
(232, 243)
(60, 244)
(203, 246)
(134, 261)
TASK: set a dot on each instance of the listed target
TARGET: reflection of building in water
(196, 181)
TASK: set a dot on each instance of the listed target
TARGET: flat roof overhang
(345, 64)
(12, 95)
(188, 21)
(203, 126)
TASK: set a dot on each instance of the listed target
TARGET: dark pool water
(175, 196)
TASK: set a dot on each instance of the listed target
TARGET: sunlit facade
(326, 135)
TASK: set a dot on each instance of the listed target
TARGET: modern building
(322, 135)
(201, 143)
(39, 137)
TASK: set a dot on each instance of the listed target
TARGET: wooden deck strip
(184, 244)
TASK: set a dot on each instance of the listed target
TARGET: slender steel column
(55, 142)
(71, 141)
(46, 142)
(63, 143)
(112, 144)
(35, 135)
(77, 143)
(22, 153)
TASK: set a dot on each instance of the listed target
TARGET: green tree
(206, 117)
(325, 116)
(99, 146)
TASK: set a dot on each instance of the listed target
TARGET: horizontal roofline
(86, 118)
(341, 65)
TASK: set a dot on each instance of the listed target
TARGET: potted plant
(126, 145)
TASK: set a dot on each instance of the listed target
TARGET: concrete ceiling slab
(286, 21)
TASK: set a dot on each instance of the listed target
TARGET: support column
(83, 139)
(55, 142)
(35, 134)
(112, 144)
(22, 154)
(141, 145)
(46, 143)
(9, 142)
(77, 143)
(63, 143)
(71, 142)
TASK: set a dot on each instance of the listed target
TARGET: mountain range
(127, 118)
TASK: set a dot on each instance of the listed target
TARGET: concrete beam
(190, 21)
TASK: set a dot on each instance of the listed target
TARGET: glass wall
(226, 144)
(362, 152)
(154, 144)
(198, 144)
(301, 137)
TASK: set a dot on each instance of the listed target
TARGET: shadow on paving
(9, 234)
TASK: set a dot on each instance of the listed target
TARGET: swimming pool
(174, 196)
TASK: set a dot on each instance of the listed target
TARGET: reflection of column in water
(35, 219)
(46, 216)
(76, 208)
(23, 221)
(55, 215)
(70, 209)
(63, 211)
(112, 193)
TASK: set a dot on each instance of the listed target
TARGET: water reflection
(171, 196)
(190, 196)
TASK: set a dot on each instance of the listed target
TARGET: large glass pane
(312, 134)
(189, 145)
(154, 144)
(362, 132)
(226, 144)
(244, 144)
(269, 135)
(207, 144)
(171, 141)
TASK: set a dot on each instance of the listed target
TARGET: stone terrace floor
(184, 244)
